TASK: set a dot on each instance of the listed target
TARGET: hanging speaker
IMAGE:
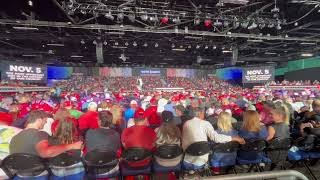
(99, 52)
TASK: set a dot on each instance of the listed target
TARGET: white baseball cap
(133, 102)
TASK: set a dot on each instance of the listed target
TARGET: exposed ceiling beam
(143, 30)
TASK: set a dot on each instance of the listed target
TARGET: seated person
(224, 127)
(103, 138)
(65, 134)
(33, 141)
(62, 115)
(196, 130)
(168, 133)
(139, 135)
(251, 130)
(280, 126)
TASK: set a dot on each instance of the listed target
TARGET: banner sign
(258, 74)
(13, 71)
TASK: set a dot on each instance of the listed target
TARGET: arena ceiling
(159, 32)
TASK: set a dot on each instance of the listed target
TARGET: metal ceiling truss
(119, 28)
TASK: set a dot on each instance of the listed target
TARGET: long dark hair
(66, 131)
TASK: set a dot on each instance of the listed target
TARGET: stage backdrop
(29, 73)
(188, 73)
(115, 72)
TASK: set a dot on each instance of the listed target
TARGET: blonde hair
(224, 122)
(251, 121)
(117, 115)
(283, 111)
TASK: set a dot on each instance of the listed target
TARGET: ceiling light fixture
(53, 44)
(24, 28)
(76, 56)
(307, 54)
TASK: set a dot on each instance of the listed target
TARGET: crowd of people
(82, 114)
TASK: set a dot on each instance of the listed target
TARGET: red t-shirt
(139, 136)
(152, 116)
(6, 118)
(89, 120)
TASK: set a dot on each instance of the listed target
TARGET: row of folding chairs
(106, 164)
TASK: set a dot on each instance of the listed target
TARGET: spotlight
(214, 47)
(262, 25)
(206, 47)
(236, 25)
(253, 26)
(30, 3)
(244, 24)
(165, 20)
(82, 41)
(132, 17)
(144, 17)
(278, 27)
(196, 20)
(296, 24)
(94, 42)
(173, 46)
(120, 16)
(271, 25)
(156, 45)
(218, 23)
(145, 44)
(189, 46)
(197, 46)
(109, 16)
(127, 44)
(176, 20)
(134, 44)
(83, 11)
(207, 22)
(116, 43)
(154, 19)
(226, 23)
(105, 43)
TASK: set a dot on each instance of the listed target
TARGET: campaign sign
(258, 74)
(23, 72)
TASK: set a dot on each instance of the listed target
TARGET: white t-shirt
(161, 103)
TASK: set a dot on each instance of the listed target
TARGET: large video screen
(258, 74)
(55, 72)
(23, 72)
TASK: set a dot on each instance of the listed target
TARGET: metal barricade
(283, 175)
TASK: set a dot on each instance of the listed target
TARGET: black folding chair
(305, 146)
(135, 155)
(21, 164)
(225, 155)
(100, 162)
(168, 152)
(252, 154)
(198, 149)
(66, 161)
(277, 152)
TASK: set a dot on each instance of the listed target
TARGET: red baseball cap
(67, 104)
(139, 113)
